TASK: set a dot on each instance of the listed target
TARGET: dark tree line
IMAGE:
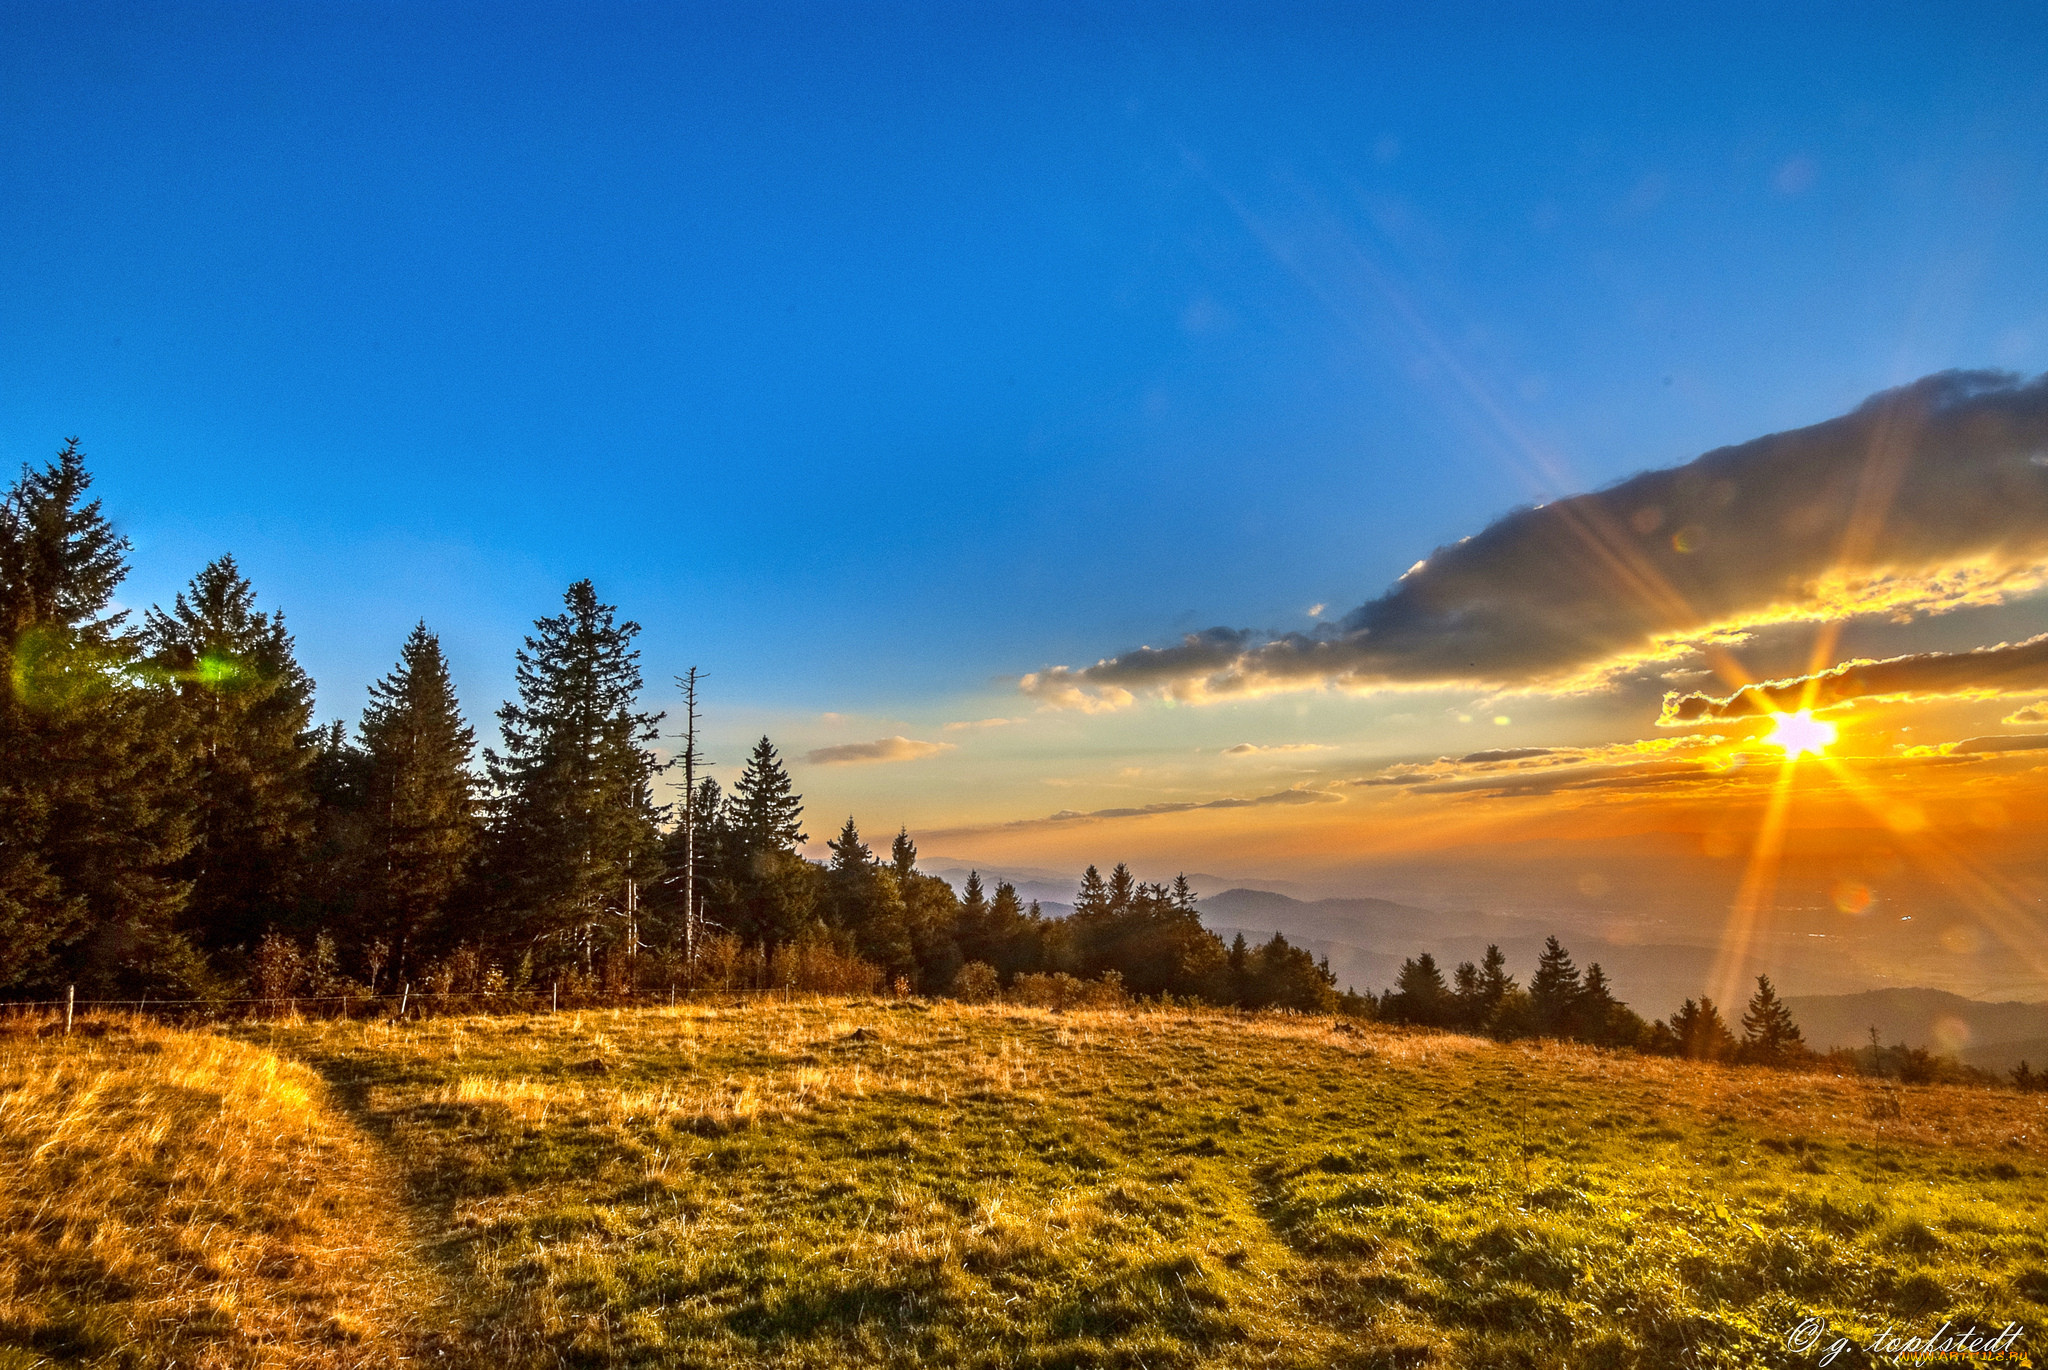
(1562, 1003)
(173, 823)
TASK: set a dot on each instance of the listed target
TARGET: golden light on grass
(175, 1198)
(1800, 734)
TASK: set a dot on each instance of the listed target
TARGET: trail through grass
(176, 1198)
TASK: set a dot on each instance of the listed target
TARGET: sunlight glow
(1800, 733)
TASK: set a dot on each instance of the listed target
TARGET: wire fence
(406, 1002)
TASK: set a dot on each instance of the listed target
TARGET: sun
(1800, 733)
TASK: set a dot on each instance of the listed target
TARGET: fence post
(554, 996)
(404, 997)
(70, 999)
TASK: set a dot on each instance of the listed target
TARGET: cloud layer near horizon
(1930, 497)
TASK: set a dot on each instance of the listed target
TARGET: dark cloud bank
(1925, 497)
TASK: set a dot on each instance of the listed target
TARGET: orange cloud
(2007, 668)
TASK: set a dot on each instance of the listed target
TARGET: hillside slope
(901, 1184)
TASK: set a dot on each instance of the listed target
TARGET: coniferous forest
(178, 828)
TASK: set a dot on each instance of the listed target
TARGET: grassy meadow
(846, 1183)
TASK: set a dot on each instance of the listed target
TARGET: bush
(976, 983)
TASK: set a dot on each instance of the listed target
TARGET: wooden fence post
(404, 998)
(555, 996)
(70, 999)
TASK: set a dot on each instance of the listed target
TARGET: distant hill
(1368, 939)
(1993, 1036)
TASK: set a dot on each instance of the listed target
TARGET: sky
(911, 369)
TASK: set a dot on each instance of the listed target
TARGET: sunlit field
(176, 1198)
(896, 1183)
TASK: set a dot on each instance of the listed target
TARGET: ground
(898, 1183)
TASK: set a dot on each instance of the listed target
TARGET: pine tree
(1420, 994)
(1093, 899)
(1601, 1017)
(766, 814)
(903, 855)
(574, 823)
(1123, 888)
(1467, 1008)
(850, 855)
(980, 939)
(92, 807)
(1768, 1033)
(1494, 980)
(1554, 990)
(245, 724)
(1183, 894)
(420, 815)
(1698, 1032)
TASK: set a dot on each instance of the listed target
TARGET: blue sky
(873, 356)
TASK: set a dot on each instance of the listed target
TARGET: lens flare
(1800, 734)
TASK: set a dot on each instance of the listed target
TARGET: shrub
(976, 983)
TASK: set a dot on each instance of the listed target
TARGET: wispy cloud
(966, 724)
(882, 749)
(1927, 498)
(2006, 668)
(1298, 795)
(1268, 749)
(1983, 746)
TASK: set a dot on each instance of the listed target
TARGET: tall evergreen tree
(903, 855)
(1768, 1033)
(1697, 1031)
(420, 808)
(850, 855)
(92, 811)
(574, 822)
(766, 814)
(1093, 898)
(1554, 990)
(245, 724)
(1420, 995)
(1494, 983)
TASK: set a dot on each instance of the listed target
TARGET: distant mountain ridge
(1994, 1036)
(1367, 940)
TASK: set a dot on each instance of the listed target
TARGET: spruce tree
(1554, 990)
(574, 821)
(1494, 983)
(1420, 994)
(92, 804)
(980, 939)
(1768, 1033)
(420, 811)
(903, 855)
(245, 723)
(1697, 1031)
(766, 815)
(1467, 1007)
(850, 855)
(1093, 899)
(1123, 888)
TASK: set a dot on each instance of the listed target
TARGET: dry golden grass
(873, 1183)
(174, 1198)
(892, 1183)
